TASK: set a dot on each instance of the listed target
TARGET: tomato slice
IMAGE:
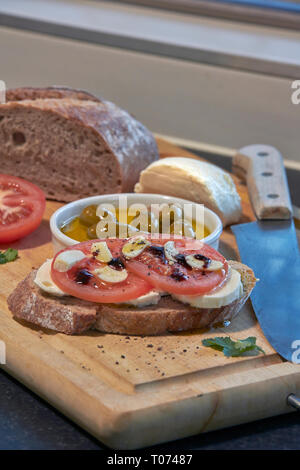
(79, 281)
(178, 278)
(22, 205)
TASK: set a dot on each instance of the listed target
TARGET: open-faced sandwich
(142, 285)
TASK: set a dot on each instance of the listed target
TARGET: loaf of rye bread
(72, 144)
(70, 315)
(56, 92)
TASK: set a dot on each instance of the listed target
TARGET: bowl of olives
(120, 215)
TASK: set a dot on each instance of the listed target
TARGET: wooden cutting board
(131, 392)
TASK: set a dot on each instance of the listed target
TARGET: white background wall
(179, 98)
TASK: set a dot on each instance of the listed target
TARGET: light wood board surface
(132, 392)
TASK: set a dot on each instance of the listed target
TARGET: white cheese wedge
(65, 260)
(44, 281)
(232, 290)
(195, 180)
(151, 298)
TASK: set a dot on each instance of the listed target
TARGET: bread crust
(66, 314)
(74, 316)
(52, 92)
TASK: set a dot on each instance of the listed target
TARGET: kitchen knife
(269, 246)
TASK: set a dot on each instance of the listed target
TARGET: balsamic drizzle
(83, 276)
(178, 275)
(180, 258)
(117, 263)
(206, 260)
(158, 251)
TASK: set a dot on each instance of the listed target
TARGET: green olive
(88, 216)
(91, 232)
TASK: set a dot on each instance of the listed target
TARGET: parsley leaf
(9, 255)
(232, 348)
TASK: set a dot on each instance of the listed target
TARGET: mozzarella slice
(44, 281)
(151, 298)
(109, 274)
(232, 290)
(65, 260)
(195, 180)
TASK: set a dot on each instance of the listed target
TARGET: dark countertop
(27, 422)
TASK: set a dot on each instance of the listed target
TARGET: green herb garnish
(9, 255)
(232, 348)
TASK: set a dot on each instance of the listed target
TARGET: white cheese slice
(44, 281)
(151, 298)
(232, 290)
(195, 180)
(65, 260)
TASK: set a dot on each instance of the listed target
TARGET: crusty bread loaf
(72, 148)
(57, 92)
(73, 316)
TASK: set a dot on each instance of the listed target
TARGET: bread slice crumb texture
(73, 148)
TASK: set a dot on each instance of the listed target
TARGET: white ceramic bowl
(66, 213)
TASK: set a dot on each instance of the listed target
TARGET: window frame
(259, 13)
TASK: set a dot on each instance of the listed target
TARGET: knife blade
(269, 246)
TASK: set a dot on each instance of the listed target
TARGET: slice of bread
(74, 316)
(64, 314)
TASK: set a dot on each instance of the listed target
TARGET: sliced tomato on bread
(84, 276)
(118, 270)
(177, 276)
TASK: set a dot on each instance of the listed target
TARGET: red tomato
(178, 278)
(22, 205)
(80, 281)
